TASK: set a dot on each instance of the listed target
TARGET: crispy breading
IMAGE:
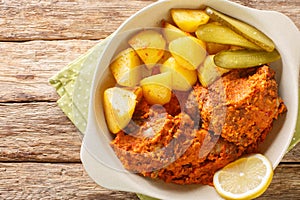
(240, 105)
(160, 141)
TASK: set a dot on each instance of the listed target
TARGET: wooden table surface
(39, 146)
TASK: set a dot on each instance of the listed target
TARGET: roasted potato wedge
(149, 45)
(208, 72)
(182, 78)
(188, 20)
(171, 32)
(157, 88)
(126, 68)
(188, 51)
(119, 105)
(165, 57)
(213, 48)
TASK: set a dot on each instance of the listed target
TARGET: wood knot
(25, 76)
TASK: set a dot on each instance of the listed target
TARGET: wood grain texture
(39, 146)
(293, 155)
(53, 19)
(285, 184)
(70, 181)
(37, 132)
(26, 67)
(291, 8)
(40, 181)
(41, 132)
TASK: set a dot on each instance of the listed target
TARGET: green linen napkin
(73, 84)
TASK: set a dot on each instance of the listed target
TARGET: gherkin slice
(244, 58)
(244, 29)
(213, 32)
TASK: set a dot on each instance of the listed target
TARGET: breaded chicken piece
(187, 140)
(207, 154)
(160, 141)
(240, 105)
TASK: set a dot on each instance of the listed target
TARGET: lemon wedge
(245, 178)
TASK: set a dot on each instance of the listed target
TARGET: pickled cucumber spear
(244, 29)
(244, 58)
(213, 32)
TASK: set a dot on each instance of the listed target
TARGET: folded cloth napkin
(73, 84)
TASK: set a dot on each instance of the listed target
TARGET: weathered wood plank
(26, 67)
(285, 184)
(53, 19)
(37, 132)
(52, 181)
(289, 8)
(293, 155)
(41, 132)
(70, 181)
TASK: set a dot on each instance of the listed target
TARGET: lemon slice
(245, 178)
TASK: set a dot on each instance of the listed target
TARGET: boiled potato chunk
(145, 72)
(149, 45)
(208, 72)
(164, 79)
(157, 88)
(188, 19)
(119, 105)
(171, 32)
(189, 51)
(233, 47)
(126, 68)
(156, 94)
(182, 78)
(213, 48)
(138, 91)
(165, 57)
